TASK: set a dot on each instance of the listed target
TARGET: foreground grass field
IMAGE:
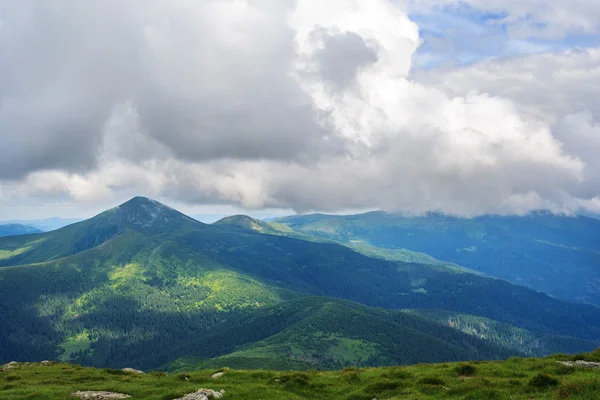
(516, 378)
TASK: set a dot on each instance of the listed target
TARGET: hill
(146, 286)
(44, 225)
(515, 378)
(551, 253)
(17, 229)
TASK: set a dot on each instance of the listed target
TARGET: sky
(276, 107)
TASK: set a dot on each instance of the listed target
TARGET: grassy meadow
(515, 378)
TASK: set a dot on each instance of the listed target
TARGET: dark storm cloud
(61, 71)
(67, 65)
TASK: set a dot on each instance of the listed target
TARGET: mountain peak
(141, 200)
(145, 212)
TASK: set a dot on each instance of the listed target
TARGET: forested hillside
(145, 286)
(550, 253)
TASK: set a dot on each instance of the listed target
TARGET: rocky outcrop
(18, 365)
(99, 395)
(203, 394)
(9, 366)
(217, 375)
(581, 363)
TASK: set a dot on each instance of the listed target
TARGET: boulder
(10, 365)
(203, 394)
(581, 363)
(133, 371)
(100, 395)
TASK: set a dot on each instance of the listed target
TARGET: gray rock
(203, 394)
(581, 363)
(133, 371)
(10, 365)
(217, 375)
(100, 395)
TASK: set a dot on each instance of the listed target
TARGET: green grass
(515, 378)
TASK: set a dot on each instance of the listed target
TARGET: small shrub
(432, 380)
(518, 374)
(485, 394)
(11, 378)
(567, 391)
(382, 386)
(113, 371)
(514, 382)
(296, 379)
(358, 396)
(86, 378)
(175, 395)
(466, 370)
(183, 377)
(299, 377)
(351, 376)
(262, 375)
(397, 373)
(563, 370)
(543, 381)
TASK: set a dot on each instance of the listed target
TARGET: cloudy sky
(280, 106)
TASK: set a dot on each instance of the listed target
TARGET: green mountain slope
(328, 333)
(143, 285)
(505, 335)
(139, 214)
(550, 253)
(17, 229)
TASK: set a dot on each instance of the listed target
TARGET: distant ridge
(246, 222)
(46, 224)
(17, 229)
(555, 254)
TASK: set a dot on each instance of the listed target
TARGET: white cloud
(238, 102)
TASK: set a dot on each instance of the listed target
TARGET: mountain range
(146, 286)
(555, 254)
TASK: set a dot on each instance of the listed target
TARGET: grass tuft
(465, 370)
(543, 381)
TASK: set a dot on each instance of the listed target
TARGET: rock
(133, 371)
(203, 394)
(45, 362)
(100, 395)
(10, 365)
(581, 363)
(217, 375)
